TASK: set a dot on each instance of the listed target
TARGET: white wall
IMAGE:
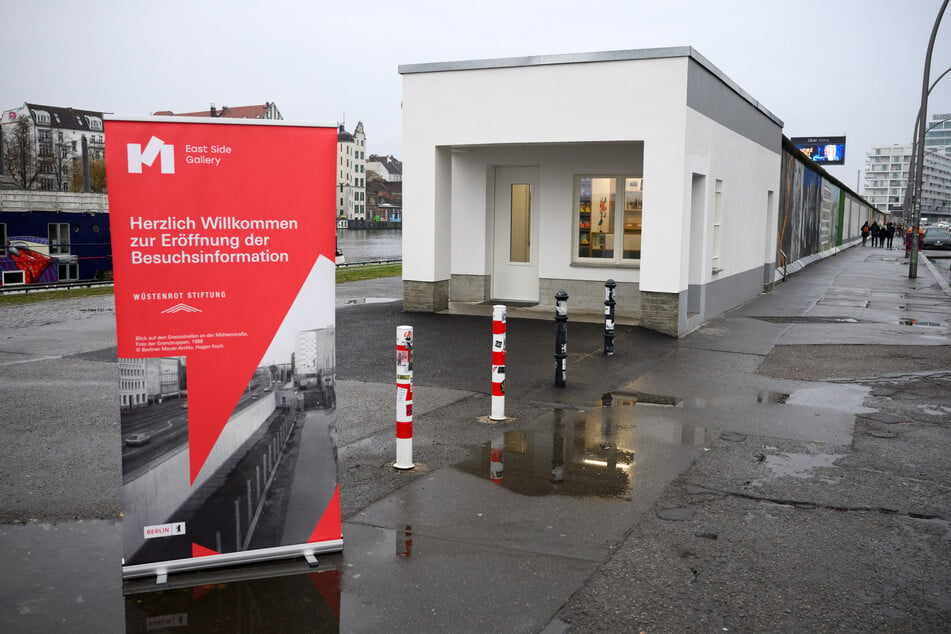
(749, 172)
(642, 100)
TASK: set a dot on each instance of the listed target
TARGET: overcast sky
(825, 67)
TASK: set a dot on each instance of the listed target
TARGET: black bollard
(561, 338)
(609, 303)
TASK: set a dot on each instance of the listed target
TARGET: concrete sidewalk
(781, 469)
(802, 466)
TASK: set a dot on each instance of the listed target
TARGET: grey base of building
(583, 293)
(674, 314)
(425, 297)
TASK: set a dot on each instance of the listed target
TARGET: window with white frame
(59, 238)
(717, 222)
(14, 277)
(608, 214)
(68, 271)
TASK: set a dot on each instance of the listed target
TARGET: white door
(515, 259)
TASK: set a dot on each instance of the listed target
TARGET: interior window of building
(608, 217)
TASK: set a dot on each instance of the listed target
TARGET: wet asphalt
(783, 468)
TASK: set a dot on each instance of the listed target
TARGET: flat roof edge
(707, 64)
(546, 60)
(587, 58)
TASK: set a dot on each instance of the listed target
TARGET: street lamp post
(909, 178)
(920, 150)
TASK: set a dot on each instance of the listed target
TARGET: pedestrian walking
(874, 230)
(889, 234)
(865, 232)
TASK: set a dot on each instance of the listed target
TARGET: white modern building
(531, 175)
(886, 180)
(351, 173)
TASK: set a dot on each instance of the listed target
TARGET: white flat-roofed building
(531, 175)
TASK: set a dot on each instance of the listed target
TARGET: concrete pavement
(781, 469)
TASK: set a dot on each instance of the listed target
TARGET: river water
(366, 245)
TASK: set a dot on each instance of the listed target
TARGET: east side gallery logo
(156, 148)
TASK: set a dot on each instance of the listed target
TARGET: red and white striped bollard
(498, 362)
(404, 398)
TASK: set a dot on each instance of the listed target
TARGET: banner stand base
(161, 570)
(239, 573)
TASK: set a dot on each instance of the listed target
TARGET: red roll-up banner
(223, 243)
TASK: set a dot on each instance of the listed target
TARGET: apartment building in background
(388, 168)
(42, 146)
(351, 173)
(266, 110)
(886, 179)
(938, 134)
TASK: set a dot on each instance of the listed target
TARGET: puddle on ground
(797, 465)
(287, 596)
(599, 452)
(771, 397)
(911, 321)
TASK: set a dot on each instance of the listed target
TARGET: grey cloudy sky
(825, 67)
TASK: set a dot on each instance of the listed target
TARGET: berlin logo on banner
(223, 262)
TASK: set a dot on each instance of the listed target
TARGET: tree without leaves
(19, 153)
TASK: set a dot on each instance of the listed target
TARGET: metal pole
(920, 150)
(561, 338)
(609, 303)
(404, 398)
(498, 362)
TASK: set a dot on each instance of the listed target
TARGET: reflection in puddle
(281, 597)
(404, 541)
(582, 453)
(771, 397)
